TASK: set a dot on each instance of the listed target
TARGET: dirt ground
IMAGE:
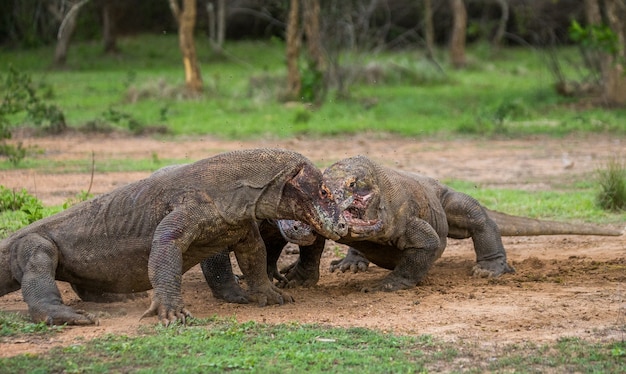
(564, 285)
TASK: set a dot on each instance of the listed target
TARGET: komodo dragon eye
(324, 192)
(352, 184)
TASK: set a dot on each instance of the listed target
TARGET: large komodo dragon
(417, 214)
(147, 234)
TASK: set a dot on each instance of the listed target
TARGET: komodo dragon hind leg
(37, 261)
(467, 218)
(218, 273)
(305, 272)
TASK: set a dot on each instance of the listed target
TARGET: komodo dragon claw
(354, 261)
(166, 317)
(69, 316)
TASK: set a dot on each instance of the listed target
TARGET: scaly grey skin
(147, 234)
(417, 213)
(224, 284)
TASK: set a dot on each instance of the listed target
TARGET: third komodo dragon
(147, 234)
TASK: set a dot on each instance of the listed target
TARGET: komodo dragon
(224, 284)
(148, 233)
(417, 213)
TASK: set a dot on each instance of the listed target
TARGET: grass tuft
(612, 180)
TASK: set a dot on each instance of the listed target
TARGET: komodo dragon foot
(269, 296)
(353, 261)
(166, 314)
(296, 275)
(390, 283)
(62, 315)
(491, 268)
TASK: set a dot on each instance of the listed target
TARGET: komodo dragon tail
(524, 226)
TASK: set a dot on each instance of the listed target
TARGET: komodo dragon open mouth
(354, 209)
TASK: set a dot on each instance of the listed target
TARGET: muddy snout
(334, 223)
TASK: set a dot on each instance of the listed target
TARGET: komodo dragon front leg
(413, 254)
(174, 235)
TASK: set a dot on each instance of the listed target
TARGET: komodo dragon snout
(321, 212)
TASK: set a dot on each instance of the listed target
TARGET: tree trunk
(311, 24)
(186, 19)
(294, 82)
(65, 33)
(221, 22)
(614, 81)
(217, 25)
(109, 37)
(592, 12)
(457, 40)
(429, 29)
(504, 18)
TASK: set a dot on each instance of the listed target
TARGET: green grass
(509, 93)
(13, 324)
(109, 164)
(219, 345)
(576, 202)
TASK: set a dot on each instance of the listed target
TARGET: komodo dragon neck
(249, 184)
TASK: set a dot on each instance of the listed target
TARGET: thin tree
(109, 35)
(311, 24)
(614, 80)
(294, 83)
(504, 18)
(217, 24)
(457, 40)
(66, 30)
(186, 20)
(613, 83)
(429, 29)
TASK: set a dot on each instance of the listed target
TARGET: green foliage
(612, 181)
(21, 95)
(119, 117)
(599, 37)
(80, 197)
(397, 92)
(220, 345)
(12, 324)
(21, 201)
(312, 84)
(14, 153)
(572, 202)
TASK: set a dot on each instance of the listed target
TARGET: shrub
(612, 180)
(21, 201)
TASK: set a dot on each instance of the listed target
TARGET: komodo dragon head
(296, 232)
(352, 183)
(306, 199)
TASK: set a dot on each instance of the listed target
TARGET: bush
(612, 180)
(21, 201)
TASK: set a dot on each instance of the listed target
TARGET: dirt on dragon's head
(352, 183)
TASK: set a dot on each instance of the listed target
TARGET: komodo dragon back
(523, 226)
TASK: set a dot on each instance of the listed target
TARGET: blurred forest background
(253, 67)
(323, 28)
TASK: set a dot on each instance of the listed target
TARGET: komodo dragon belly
(382, 255)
